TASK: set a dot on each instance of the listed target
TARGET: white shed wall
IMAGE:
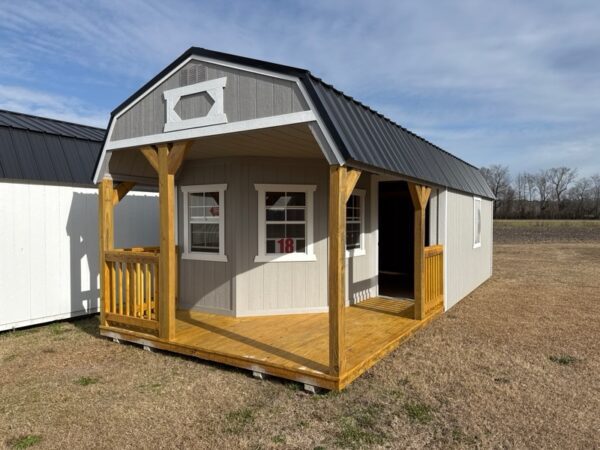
(466, 267)
(49, 248)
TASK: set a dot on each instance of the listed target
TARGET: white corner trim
(231, 127)
(216, 115)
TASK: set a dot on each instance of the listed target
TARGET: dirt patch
(514, 365)
(546, 231)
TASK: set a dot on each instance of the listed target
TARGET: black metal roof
(40, 149)
(363, 136)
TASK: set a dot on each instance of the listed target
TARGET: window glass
(204, 223)
(353, 222)
(285, 216)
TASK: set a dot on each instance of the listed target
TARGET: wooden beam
(176, 156)
(121, 191)
(151, 156)
(105, 243)
(167, 281)
(337, 264)
(352, 176)
(419, 195)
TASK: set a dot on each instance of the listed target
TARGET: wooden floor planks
(290, 346)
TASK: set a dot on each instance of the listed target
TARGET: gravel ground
(514, 365)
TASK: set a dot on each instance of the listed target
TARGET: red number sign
(286, 245)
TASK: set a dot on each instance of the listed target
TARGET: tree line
(555, 193)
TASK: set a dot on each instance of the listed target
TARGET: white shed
(49, 220)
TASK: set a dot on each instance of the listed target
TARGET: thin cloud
(506, 81)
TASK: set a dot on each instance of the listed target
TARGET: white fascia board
(110, 145)
(232, 127)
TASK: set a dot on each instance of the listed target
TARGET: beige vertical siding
(241, 286)
(361, 271)
(467, 267)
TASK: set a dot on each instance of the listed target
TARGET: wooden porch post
(419, 195)
(166, 161)
(106, 242)
(341, 185)
(166, 295)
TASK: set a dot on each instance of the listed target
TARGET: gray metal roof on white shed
(41, 149)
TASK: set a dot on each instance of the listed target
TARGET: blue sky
(507, 82)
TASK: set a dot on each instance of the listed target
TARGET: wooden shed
(49, 220)
(302, 234)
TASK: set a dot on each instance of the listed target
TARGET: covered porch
(139, 293)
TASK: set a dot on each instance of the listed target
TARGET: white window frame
(360, 251)
(477, 205)
(309, 254)
(204, 256)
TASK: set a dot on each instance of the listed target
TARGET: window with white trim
(355, 223)
(285, 223)
(476, 222)
(204, 222)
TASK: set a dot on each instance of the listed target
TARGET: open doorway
(396, 240)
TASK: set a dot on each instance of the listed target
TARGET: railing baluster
(127, 289)
(134, 288)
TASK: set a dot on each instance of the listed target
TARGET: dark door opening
(396, 240)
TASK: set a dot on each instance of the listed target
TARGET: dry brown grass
(486, 374)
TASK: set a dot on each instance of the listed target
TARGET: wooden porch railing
(434, 279)
(133, 296)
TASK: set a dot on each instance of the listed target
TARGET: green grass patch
(460, 437)
(86, 381)
(8, 358)
(239, 419)
(360, 428)
(563, 360)
(25, 441)
(418, 412)
(58, 329)
(279, 439)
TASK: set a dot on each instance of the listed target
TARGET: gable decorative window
(285, 222)
(476, 222)
(355, 223)
(204, 222)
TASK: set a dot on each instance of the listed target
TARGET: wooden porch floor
(291, 346)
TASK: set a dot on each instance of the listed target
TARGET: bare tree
(579, 193)
(542, 184)
(498, 178)
(560, 179)
(596, 194)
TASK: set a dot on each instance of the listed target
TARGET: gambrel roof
(40, 149)
(363, 137)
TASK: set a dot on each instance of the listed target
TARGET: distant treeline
(555, 193)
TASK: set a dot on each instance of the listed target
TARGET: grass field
(514, 365)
